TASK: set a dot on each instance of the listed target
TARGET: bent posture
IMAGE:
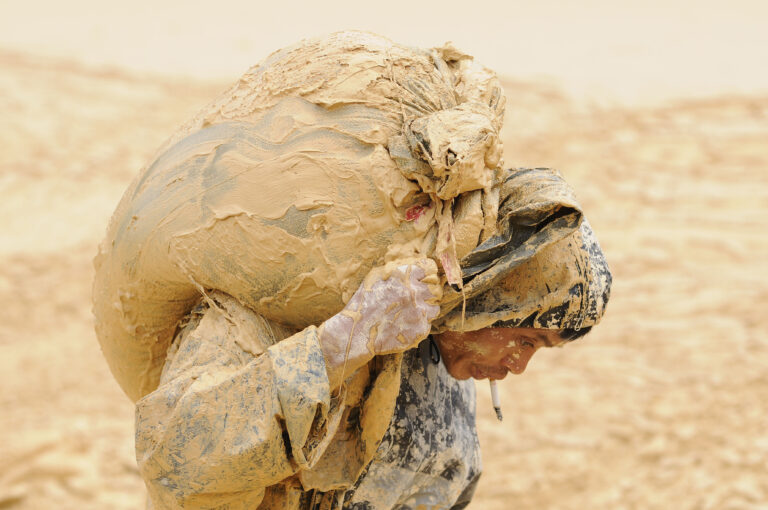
(352, 413)
(224, 292)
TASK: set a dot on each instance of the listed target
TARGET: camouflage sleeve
(226, 423)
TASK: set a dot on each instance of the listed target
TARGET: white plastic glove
(390, 312)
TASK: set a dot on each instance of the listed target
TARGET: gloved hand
(390, 312)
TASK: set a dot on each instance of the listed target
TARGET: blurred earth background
(655, 111)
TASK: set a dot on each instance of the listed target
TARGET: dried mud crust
(664, 405)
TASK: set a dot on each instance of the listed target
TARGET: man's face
(492, 352)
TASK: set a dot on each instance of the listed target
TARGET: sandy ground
(664, 406)
(632, 50)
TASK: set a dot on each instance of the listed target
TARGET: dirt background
(662, 130)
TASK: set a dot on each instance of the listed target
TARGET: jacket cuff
(304, 392)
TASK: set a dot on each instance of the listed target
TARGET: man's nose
(518, 365)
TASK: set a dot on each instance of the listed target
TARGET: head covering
(545, 268)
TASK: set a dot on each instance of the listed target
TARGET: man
(351, 414)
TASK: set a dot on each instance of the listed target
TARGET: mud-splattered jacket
(244, 418)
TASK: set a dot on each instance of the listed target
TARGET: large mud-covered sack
(328, 158)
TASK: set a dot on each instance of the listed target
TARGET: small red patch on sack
(415, 212)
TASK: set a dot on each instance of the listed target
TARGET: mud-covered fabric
(430, 455)
(566, 285)
(235, 412)
(319, 163)
(544, 269)
(244, 418)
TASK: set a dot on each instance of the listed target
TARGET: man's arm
(214, 431)
(224, 424)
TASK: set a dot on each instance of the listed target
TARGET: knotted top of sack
(437, 111)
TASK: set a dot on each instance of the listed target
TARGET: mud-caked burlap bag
(328, 158)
